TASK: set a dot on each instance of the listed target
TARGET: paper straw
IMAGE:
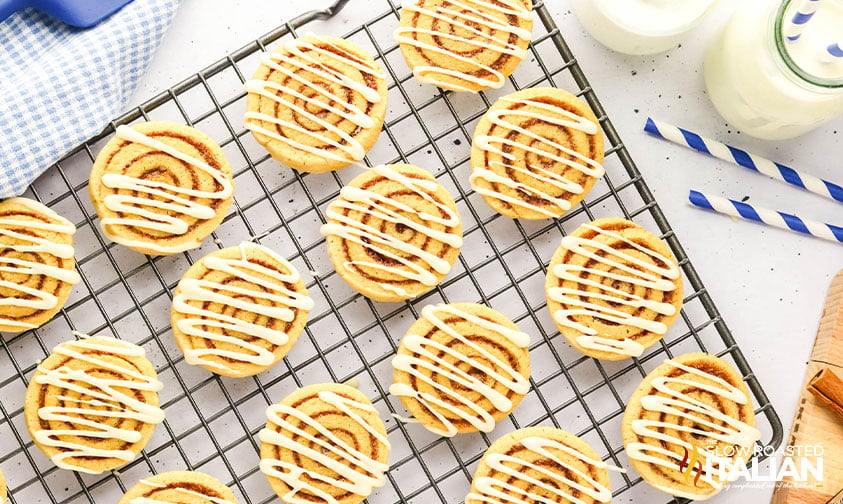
(792, 30)
(834, 51)
(743, 158)
(765, 216)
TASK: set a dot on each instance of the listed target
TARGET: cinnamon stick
(827, 387)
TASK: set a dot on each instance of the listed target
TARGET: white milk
(824, 28)
(640, 26)
(776, 89)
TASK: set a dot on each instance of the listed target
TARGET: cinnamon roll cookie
(461, 367)
(689, 415)
(160, 188)
(37, 270)
(540, 464)
(92, 405)
(393, 233)
(179, 487)
(536, 153)
(239, 310)
(317, 103)
(464, 45)
(324, 443)
(613, 289)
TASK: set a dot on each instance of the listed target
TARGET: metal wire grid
(212, 421)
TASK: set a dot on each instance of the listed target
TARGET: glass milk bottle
(771, 87)
(640, 26)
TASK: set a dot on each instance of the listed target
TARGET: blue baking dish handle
(9, 7)
(81, 14)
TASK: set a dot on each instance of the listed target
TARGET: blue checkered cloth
(60, 85)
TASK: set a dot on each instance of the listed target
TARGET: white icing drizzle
(465, 15)
(495, 491)
(427, 359)
(42, 300)
(405, 420)
(299, 53)
(680, 404)
(357, 472)
(179, 200)
(200, 290)
(652, 277)
(185, 491)
(111, 398)
(387, 209)
(495, 144)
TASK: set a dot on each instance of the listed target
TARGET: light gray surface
(769, 284)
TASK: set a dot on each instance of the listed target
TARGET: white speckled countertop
(769, 284)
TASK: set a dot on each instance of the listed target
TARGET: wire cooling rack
(212, 422)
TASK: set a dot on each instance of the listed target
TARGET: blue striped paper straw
(765, 216)
(793, 29)
(743, 158)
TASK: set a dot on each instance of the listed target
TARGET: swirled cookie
(317, 103)
(540, 465)
(394, 232)
(37, 270)
(239, 310)
(464, 45)
(324, 443)
(179, 487)
(536, 153)
(461, 367)
(689, 415)
(160, 188)
(613, 289)
(92, 405)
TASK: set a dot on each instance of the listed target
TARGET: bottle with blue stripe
(776, 70)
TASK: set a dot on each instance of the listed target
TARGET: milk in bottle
(640, 26)
(768, 86)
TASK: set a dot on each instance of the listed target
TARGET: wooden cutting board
(815, 424)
